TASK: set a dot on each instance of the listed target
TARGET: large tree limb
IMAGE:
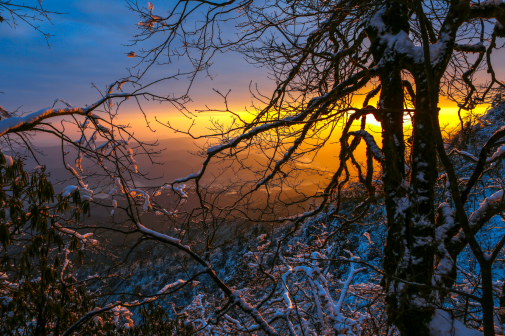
(483, 159)
(28, 122)
(490, 207)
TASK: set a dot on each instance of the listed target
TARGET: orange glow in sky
(202, 122)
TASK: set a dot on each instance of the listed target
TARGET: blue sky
(88, 46)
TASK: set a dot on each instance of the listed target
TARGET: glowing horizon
(448, 117)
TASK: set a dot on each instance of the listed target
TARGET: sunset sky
(88, 47)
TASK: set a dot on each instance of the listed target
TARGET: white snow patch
(8, 160)
(442, 325)
(68, 190)
(491, 2)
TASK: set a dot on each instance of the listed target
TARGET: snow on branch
(86, 194)
(497, 155)
(401, 43)
(370, 141)
(321, 313)
(147, 203)
(158, 235)
(132, 160)
(472, 48)
(120, 309)
(464, 154)
(180, 190)
(253, 311)
(171, 285)
(85, 238)
(28, 122)
(69, 190)
(489, 207)
(212, 151)
(483, 157)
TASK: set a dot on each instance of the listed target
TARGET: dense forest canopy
(405, 239)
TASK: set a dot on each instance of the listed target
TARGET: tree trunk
(410, 249)
(487, 300)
